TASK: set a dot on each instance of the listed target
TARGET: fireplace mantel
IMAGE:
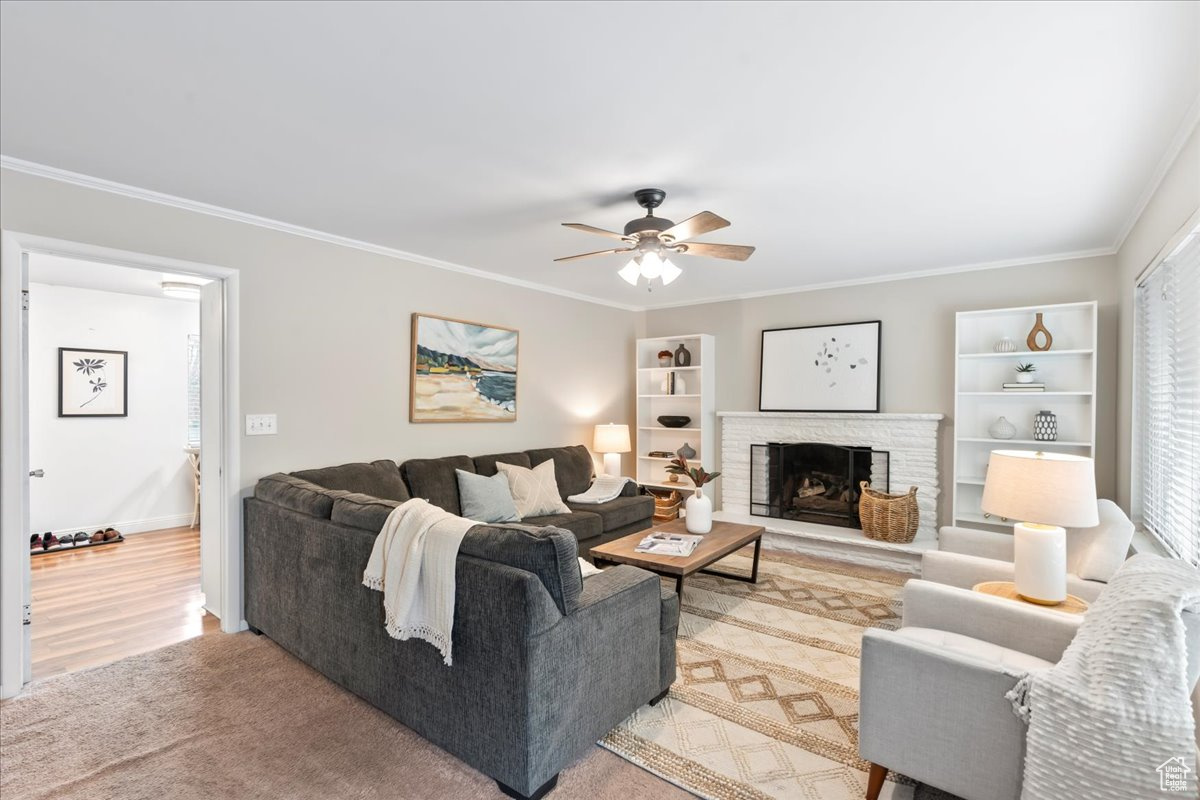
(911, 441)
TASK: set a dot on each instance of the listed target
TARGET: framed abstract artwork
(821, 368)
(93, 383)
(462, 371)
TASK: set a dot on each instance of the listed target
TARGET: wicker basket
(666, 506)
(888, 517)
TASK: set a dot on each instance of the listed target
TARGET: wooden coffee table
(723, 539)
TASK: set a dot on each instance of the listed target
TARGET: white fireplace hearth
(911, 441)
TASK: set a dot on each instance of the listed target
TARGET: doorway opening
(118, 376)
(114, 398)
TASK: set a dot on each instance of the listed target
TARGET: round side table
(1008, 590)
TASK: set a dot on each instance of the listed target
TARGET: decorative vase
(1004, 345)
(698, 513)
(1002, 429)
(683, 356)
(1045, 426)
(665, 361)
(1039, 329)
(687, 451)
(1024, 377)
(672, 383)
(680, 385)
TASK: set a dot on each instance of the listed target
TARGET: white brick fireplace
(911, 441)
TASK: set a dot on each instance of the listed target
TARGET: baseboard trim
(132, 526)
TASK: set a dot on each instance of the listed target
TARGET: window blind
(1167, 401)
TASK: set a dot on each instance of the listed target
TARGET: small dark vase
(683, 357)
(686, 452)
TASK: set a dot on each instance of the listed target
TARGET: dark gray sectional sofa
(545, 663)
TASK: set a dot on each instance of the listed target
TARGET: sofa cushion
(583, 524)
(296, 494)
(378, 479)
(546, 552)
(362, 511)
(486, 465)
(572, 467)
(486, 499)
(434, 479)
(619, 512)
(1097, 552)
(534, 491)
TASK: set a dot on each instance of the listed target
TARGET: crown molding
(1184, 132)
(900, 276)
(160, 198)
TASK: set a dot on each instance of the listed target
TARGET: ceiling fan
(651, 239)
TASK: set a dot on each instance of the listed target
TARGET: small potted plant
(665, 358)
(1025, 372)
(698, 508)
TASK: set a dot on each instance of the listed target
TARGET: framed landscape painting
(462, 371)
(93, 383)
(821, 368)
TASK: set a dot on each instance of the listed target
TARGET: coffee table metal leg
(753, 570)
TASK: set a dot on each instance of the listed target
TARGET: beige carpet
(766, 700)
(237, 717)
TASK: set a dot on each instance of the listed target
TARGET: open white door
(15, 600)
(212, 343)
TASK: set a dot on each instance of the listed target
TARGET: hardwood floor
(101, 604)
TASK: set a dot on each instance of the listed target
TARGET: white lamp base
(612, 464)
(1040, 562)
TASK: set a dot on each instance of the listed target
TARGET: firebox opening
(813, 482)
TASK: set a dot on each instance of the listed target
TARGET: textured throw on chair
(413, 563)
(1116, 706)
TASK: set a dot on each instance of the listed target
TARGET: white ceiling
(846, 141)
(61, 271)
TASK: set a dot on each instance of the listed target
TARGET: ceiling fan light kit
(651, 239)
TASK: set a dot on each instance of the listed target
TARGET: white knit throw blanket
(1116, 706)
(603, 489)
(413, 564)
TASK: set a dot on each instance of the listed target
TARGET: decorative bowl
(670, 421)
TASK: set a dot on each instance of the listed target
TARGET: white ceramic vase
(1024, 377)
(698, 513)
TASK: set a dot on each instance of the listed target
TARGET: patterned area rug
(766, 700)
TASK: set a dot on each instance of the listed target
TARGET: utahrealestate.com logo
(1172, 775)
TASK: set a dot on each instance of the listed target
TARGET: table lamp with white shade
(612, 440)
(1047, 492)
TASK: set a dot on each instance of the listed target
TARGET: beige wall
(918, 338)
(325, 333)
(1172, 205)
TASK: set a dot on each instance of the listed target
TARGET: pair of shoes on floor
(47, 540)
(106, 535)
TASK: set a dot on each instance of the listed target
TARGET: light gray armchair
(966, 556)
(932, 703)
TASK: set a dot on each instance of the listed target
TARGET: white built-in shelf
(698, 401)
(1002, 443)
(1068, 368)
(665, 428)
(1022, 354)
(1026, 394)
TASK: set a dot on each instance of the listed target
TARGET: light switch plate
(260, 425)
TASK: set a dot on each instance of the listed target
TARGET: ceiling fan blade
(597, 253)
(734, 252)
(579, 226)
(691, 227)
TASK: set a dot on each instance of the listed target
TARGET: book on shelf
(660, 454)
(669, 544)
(1035, 385)
(1025, 387)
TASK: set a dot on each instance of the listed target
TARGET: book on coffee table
(669, 544)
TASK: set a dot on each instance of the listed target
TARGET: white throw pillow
(534, 491)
